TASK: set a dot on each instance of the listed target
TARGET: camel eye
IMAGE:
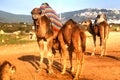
(85, 22)
(98, 16)
(40, 12)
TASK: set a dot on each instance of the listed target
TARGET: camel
(44, 34)
(100, 28)
(72, 40)
(6, 70)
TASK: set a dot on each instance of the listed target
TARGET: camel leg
(80, 60)
(70, 49)
(105, 47)
(94, 49)
(41, 48)
(50, 59)
(73, 63)
(106, 37)
(102, 46)
(101, 50)
(64, 50)
(50, 56)
(70, 57)
(78, 69)
(41, 59)
(64, 61)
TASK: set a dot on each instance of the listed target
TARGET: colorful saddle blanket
(51, 14)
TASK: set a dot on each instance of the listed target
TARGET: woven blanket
(51, 14)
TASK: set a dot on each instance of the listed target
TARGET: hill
(113, 15)
(7, 17)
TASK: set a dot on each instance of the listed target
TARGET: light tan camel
(101, 28)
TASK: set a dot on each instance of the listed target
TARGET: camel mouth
(35, 17)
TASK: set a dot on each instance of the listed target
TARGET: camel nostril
(34, 16)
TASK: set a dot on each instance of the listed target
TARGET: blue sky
(25, 6)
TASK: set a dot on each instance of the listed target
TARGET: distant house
(17, 32)
(2, 32)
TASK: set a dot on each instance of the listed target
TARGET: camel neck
(90, 29)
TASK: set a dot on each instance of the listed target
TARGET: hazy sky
(25, 6)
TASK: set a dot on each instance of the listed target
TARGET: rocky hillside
(84, 14)
(112, 15)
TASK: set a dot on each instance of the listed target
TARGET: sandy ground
(25, 57)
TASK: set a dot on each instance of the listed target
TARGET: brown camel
(101, 28)
(6, 70)
(45, 35)
(72, 40)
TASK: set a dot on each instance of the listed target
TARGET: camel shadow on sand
(34, 61)
(30, 59)
(108, 56)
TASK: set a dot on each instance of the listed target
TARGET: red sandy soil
(26, 56)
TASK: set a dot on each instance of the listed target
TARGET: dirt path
(25, 57)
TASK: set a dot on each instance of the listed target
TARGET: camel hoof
(51, 71)
(62, 72)
(92, 54)
(72, 70)
(101, 55)
(75, 79)
(39, 69)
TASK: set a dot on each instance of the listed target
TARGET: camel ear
(40, 12)
(13, 69)
(7, 65)
(103, 15)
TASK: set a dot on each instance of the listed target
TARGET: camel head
(35, 13)
(100, 18)
(86, 23)
(68, 30)
(6, 70)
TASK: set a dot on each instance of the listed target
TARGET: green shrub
(12, 39)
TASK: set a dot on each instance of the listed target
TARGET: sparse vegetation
(15, 33)
(115, 27)
(13, 39)
(24, 30)
(12, 27)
